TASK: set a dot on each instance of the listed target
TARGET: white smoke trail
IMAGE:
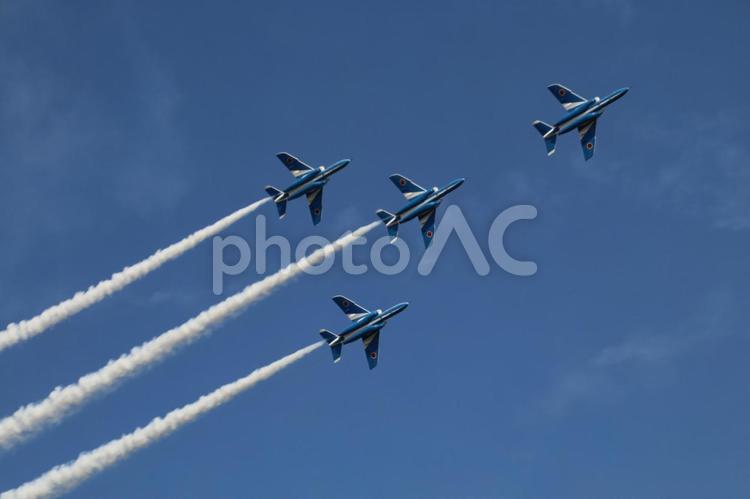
(31, 418)
(64, 477)
(24, 330)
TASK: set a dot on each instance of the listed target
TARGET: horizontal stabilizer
(391, 225)
(330, 338)
(273, 192)
(280, 205)
(542, 127)
(547, 132)
(549, 143)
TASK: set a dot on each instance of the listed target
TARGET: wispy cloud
(704, 174)
(709, 176)
(59, 138)
(154, 177)
(601, 375)
(41, 133)
(624, 10)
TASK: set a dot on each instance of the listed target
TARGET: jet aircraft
(365, 325)
(581, 113)
(422, 203)
(309, 182)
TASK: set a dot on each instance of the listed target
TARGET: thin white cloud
(601, 375)
(705, 174)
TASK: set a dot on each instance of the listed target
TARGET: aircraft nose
(455, 184)
(401, 306)
(338, 165)
(624, 90)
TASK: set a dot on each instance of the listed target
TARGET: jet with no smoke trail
(309, 182)
(422, 204)
(581, 114)
(366, 325)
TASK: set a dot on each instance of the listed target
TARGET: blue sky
(618, 370)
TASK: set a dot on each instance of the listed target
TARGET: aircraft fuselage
(425, 202)
(371, 322)
(311, 181)
(585, 112)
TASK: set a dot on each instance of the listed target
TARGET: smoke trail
(31, 418)
(64, 477)
(24, 330)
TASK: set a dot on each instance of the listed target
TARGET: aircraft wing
(372, 343)
(295, 166)
(408, 188)
(566, 96)
(427, 220)
(351, 309)
(587, 133)
(315, 202)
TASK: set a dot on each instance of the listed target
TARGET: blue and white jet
(365, 325)
(309, 182)
(422, 204)
(581, 113)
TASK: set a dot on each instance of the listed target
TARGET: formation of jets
(581, 114)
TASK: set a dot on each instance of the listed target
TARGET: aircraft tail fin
(275, 194)
(547, 132)
(329, 337)
(391, 225)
